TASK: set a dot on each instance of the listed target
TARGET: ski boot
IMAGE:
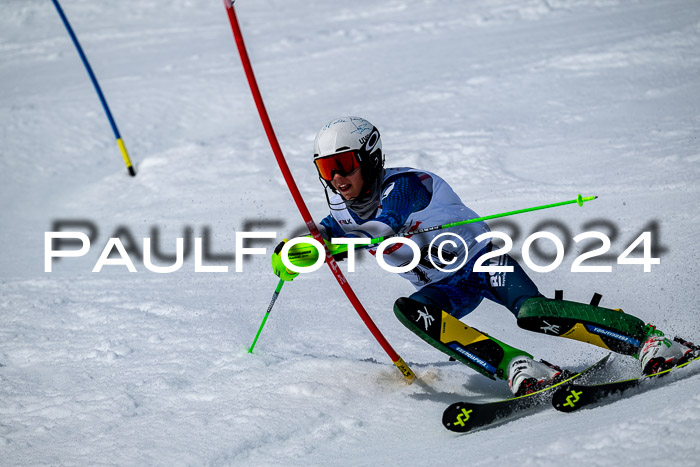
(659, 353)
(526, 376)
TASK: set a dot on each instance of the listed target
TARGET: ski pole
(120, 143)
(302, 253)
(267, 313)
(579, 200)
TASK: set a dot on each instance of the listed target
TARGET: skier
(369, 201)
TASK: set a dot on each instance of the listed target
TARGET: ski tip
(566, 398)
(457, 418)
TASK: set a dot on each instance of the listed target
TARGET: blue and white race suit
(413, 199)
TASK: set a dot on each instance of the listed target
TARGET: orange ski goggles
(343, 163)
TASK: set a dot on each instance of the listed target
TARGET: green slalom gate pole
(267, 313)
(579, 200)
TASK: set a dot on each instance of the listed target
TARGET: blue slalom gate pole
(120, 143)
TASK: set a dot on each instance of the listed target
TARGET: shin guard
(606, 328)
(465, 344)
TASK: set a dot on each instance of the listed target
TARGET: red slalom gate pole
(305, 214)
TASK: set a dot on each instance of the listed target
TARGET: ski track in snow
(515, 103)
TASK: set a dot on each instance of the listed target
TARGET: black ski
(466, 416)
(570, 397)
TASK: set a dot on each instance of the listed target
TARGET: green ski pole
(305, 253)
(267, 313)
(579, 200)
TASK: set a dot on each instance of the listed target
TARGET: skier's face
(349, 186)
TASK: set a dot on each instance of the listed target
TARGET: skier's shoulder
(410, 173)
(408, 180)
(407, 177)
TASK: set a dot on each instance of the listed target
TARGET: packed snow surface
(515, 103)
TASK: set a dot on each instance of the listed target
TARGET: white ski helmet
(360, 136)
